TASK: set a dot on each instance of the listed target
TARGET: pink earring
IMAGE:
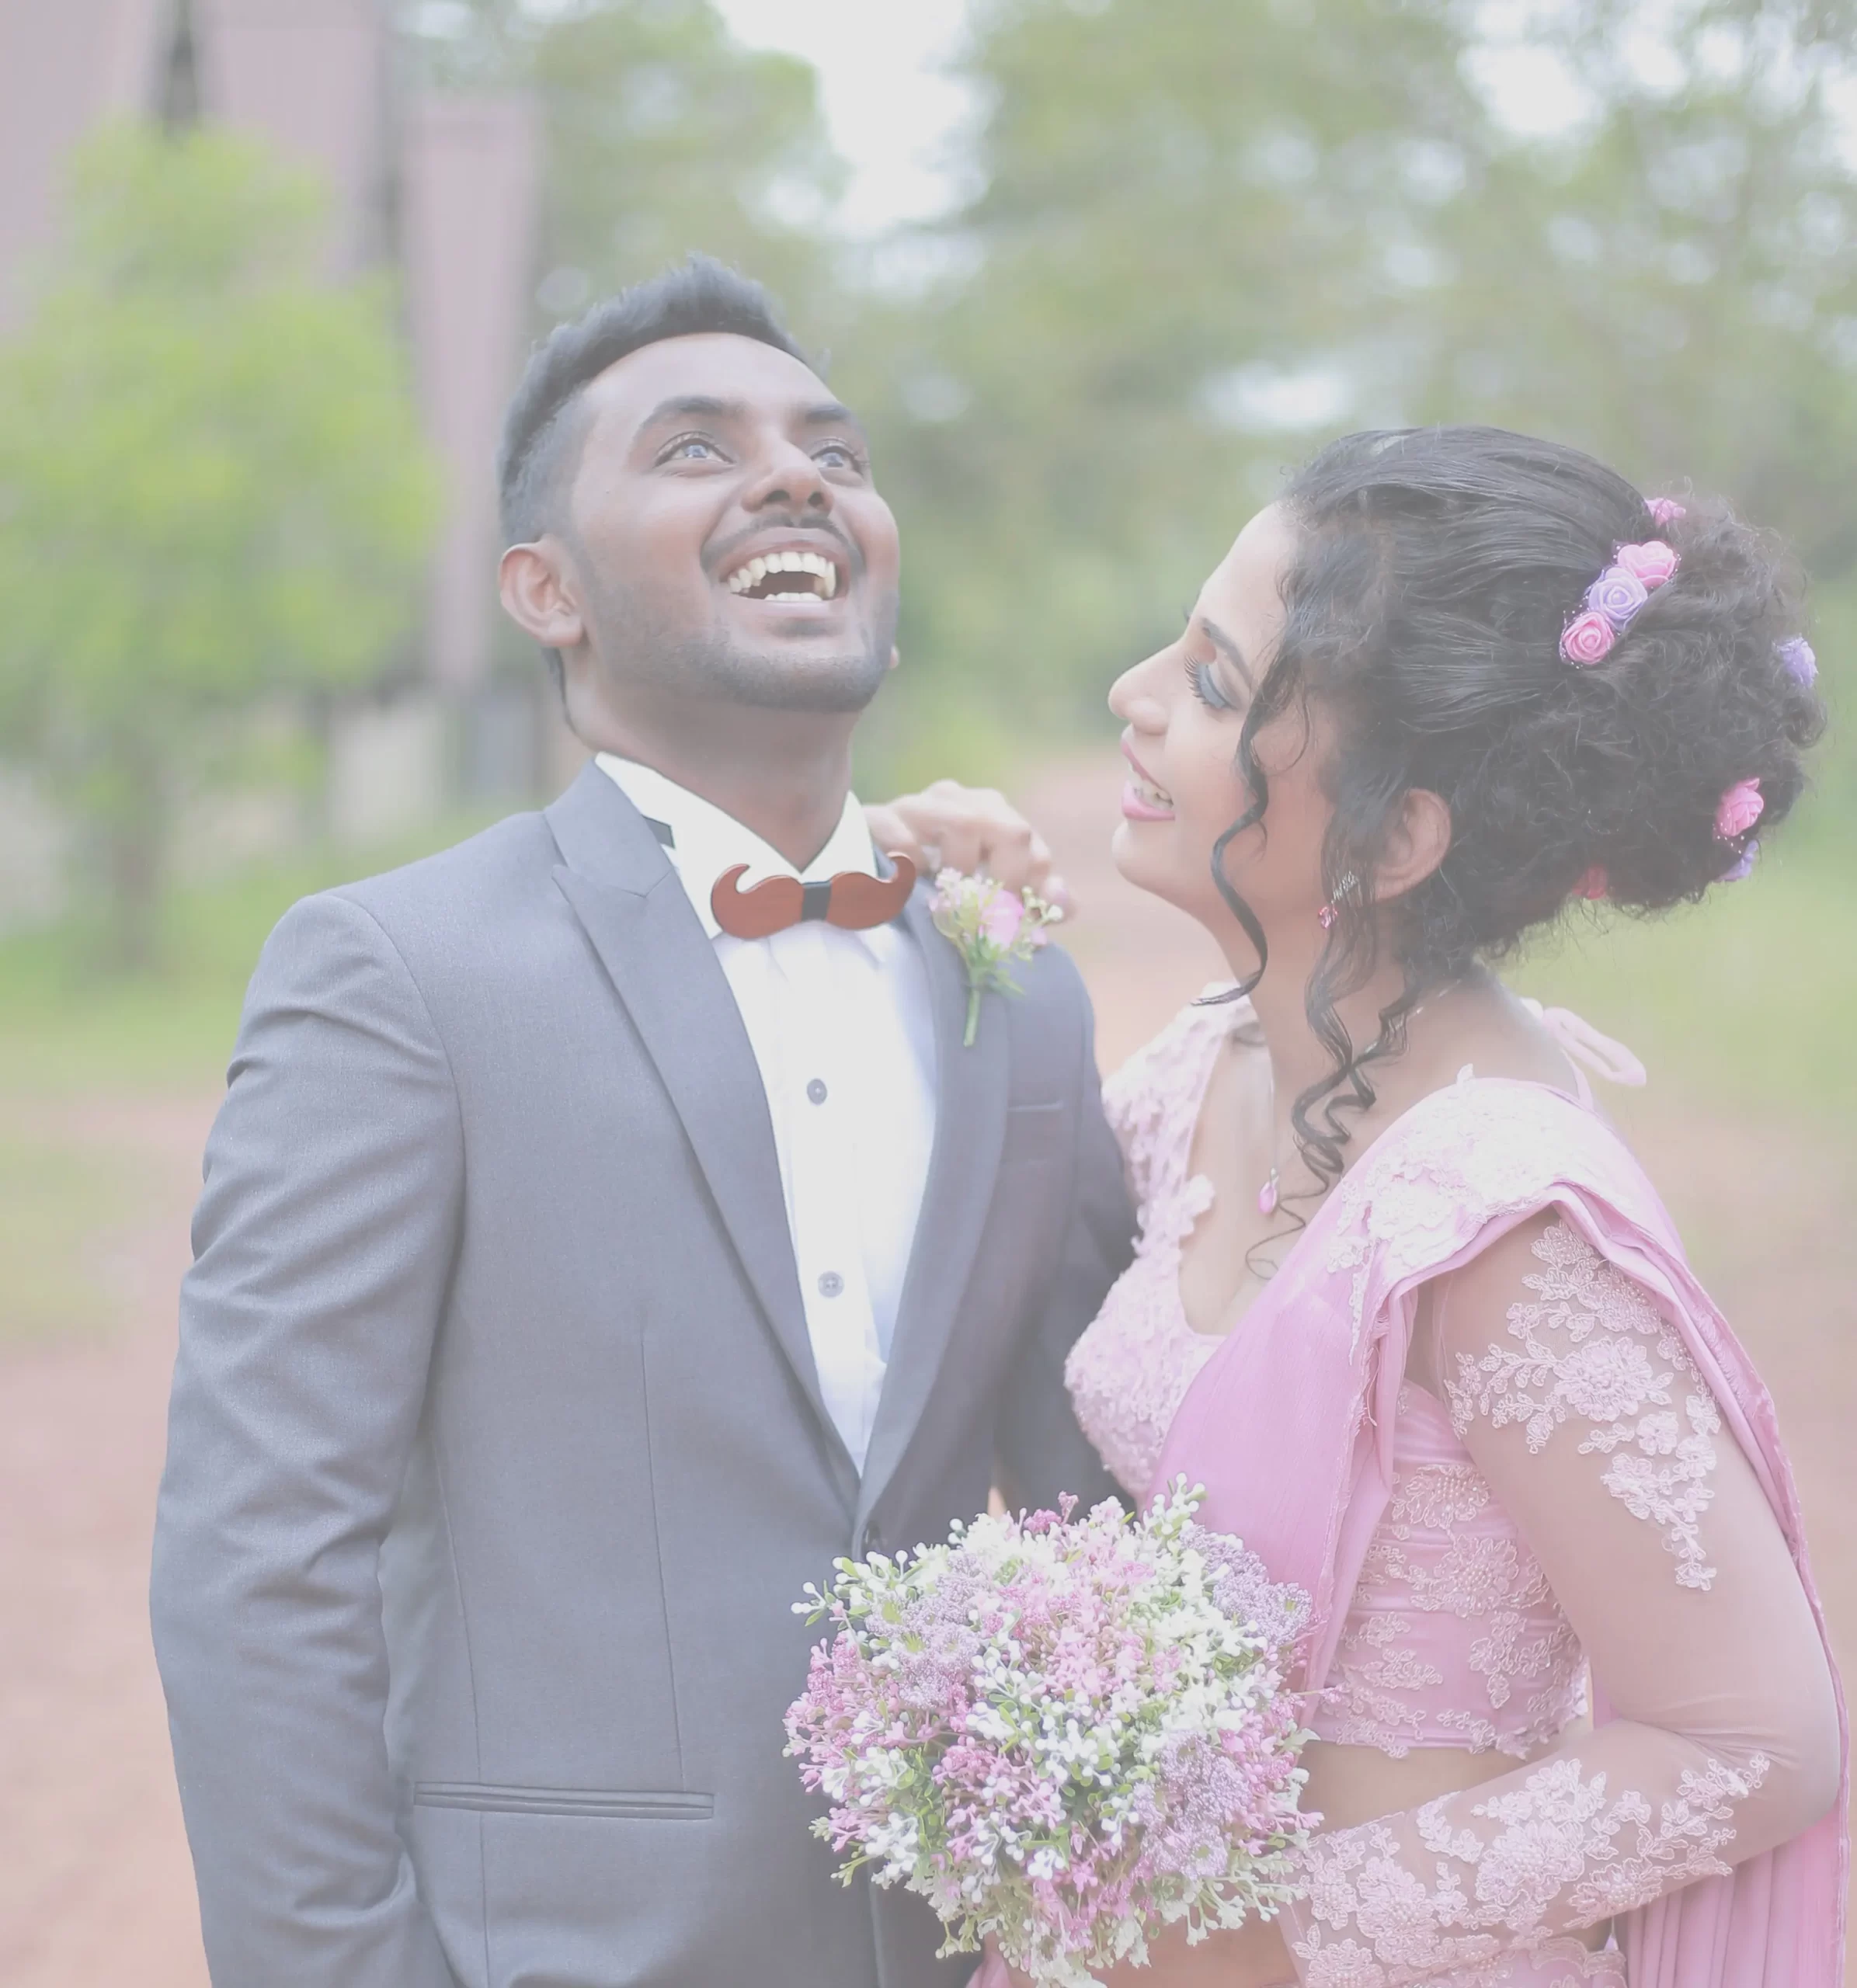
(1345, 885)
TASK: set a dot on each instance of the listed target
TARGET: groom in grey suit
(576, 1276)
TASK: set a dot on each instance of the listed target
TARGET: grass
(65, 1029)
(62, 1204)
(1747, 1001)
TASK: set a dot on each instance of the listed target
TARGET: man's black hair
(543, 430)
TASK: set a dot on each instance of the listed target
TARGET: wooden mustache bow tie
(851, 900)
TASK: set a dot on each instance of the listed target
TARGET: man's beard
(706, 666)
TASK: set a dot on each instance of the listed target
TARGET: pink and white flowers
(992, 928)
(1062, 1732)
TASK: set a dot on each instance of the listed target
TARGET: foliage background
(213, 492)
(1199, 236)
(1189, 240)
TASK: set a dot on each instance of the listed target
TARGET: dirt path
(95, 1888)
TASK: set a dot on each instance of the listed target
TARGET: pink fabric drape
(1289, 1428)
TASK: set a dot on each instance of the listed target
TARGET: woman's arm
(973, 829)
(1580, 1406)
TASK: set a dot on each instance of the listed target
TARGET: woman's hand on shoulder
(974, 829)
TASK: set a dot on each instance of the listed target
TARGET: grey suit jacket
(497, 1456)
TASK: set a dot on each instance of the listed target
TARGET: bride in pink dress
(1403, 1302)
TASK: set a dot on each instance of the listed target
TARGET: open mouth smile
(792, 576)
(1144, 799)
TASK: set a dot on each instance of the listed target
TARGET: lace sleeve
(1580, 1404)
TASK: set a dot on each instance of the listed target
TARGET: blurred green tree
(662, 134)
(1206, 233)
(1672, 280)
(1180, 205)
(212, 488)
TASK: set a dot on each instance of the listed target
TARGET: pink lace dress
(1567, 1479)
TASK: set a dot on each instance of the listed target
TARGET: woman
(1404, 1303)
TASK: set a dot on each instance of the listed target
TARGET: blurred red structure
(440, 190)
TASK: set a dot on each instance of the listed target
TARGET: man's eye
(1205, 687)
(839, 455)
(690, 449)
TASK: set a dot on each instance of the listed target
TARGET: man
(575, 1277)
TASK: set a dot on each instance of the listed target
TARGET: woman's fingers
(975, 830)
(890, 834)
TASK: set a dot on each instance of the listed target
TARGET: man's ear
(538, 594)
(896, 657)
(1416, 844)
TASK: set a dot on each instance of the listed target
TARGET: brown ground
(95, 1889)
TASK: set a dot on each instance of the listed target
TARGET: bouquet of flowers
(1063, 1732)
(992, 929)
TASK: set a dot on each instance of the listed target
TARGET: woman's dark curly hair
(1434, 570)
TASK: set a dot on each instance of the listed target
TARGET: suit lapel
(970, 1132)
(664, 968)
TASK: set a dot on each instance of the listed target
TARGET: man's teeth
(744, 579)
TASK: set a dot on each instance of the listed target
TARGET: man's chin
(781, 680)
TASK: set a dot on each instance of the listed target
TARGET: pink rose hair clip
(1614, 598)
(1735, 815)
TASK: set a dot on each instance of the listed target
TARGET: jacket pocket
(626, 1804)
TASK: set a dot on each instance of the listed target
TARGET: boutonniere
(992, 929)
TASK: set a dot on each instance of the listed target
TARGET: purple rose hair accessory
(1664, 511)
(1614, 598)
(1742, 867)
(1738, 810)
(1617, 595)
(1798, 660)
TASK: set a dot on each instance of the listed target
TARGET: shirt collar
(706, 841)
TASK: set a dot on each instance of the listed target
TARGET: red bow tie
(851, 900)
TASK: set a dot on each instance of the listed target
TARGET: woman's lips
(1144, 799)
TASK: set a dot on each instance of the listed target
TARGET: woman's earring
(1346, 885)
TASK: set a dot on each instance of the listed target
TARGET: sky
(890, 112)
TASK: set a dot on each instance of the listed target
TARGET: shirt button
(830, 1285)
(817, 1091)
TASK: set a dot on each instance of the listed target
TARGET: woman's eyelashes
(1204, 678)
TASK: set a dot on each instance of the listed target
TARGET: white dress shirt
(841, 1027)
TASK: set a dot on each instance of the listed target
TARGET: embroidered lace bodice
(1454, 1637)
(1563, 1487)
(1129, 1371)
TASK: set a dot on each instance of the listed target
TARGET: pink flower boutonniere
(992, 928)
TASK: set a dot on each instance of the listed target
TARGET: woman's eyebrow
(1230, 650)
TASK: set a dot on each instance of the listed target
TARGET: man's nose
(789, 479)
